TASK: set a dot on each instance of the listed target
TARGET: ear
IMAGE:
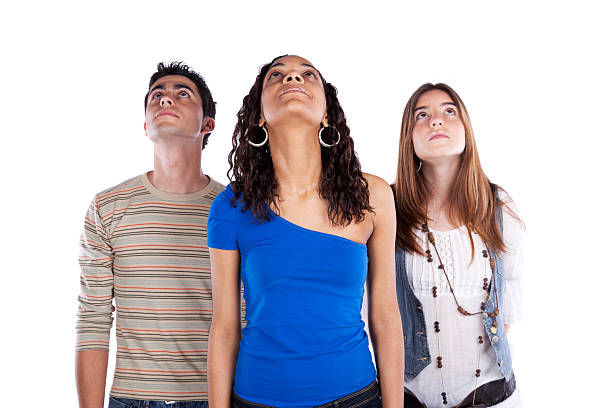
(325, 122)
(208, 124)
(145, 127)
(262, 121)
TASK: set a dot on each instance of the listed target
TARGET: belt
(487, 395)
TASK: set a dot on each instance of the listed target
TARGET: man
(144, 244)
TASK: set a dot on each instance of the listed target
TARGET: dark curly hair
(178, 68)
(252, 172)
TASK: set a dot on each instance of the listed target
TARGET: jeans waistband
(356, 399)
(117, 402)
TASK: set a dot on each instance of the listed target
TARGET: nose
(436, 122)
(293, 77)
(166, 101)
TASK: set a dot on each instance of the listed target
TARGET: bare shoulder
(381, 194)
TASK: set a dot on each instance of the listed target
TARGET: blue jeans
(132, 403)
(368, 397)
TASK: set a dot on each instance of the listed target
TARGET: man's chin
(168, 133)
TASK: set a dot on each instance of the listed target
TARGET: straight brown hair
(473, 199)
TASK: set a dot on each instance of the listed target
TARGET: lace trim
(445, 248)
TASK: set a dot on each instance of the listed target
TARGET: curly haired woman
(303, 229)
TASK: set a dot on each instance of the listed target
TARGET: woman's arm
(383, 312)
(514, 239)
(224, 336)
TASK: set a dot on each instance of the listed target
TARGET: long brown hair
(473, 198)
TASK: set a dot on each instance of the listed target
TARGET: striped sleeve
(95, 312)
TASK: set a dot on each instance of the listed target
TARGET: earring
(420, 165)
(321, 137)
(265, 138)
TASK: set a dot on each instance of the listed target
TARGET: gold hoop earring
(265, 138)
(321, 137)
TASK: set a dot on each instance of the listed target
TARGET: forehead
(433, 98)
(292, 61)
(171, 81)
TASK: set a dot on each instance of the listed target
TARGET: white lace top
(458, 336)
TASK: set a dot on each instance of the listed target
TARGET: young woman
(458, 260)
(304, 229)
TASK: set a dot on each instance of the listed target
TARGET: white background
(535, 77)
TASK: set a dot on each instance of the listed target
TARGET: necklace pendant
(431, 239)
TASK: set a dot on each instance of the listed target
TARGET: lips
(166, 113)
(439, 135)
(293, 89)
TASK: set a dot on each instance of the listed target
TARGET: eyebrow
(176, 86)
(442, 104)
(280, 64)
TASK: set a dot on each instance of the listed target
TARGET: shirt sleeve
(222, 227)
(514, 239)
(95, 311)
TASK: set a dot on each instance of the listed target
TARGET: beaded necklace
(485, 286)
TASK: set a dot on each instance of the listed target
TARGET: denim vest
(416, 349)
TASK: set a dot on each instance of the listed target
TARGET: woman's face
(293, 90)
(438, 130)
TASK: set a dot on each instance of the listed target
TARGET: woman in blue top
(304, 229)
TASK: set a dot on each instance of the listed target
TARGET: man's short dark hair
(178, 68)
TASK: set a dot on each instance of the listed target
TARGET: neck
(440, 176)
(177, 167)
(296, 155)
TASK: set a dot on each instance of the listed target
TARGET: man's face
(174, 109)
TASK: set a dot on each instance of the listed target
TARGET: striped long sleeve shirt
(146, 250)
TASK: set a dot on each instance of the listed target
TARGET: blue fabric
(114, 402)
(304, 343)
(416, 349)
